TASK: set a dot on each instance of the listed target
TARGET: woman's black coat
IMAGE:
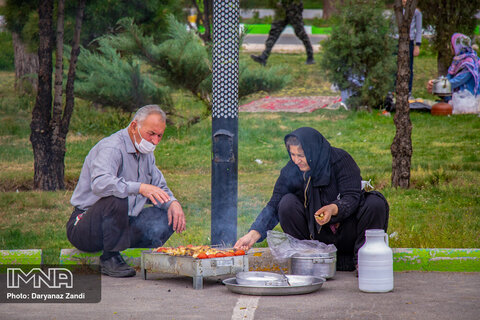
(334, 177)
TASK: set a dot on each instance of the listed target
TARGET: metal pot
(442, 87)
(316, 264)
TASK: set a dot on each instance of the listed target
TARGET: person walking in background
(415, 41)
(287, 12)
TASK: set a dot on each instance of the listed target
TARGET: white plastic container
(375, 263)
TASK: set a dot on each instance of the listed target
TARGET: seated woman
(319, 196)
(464, 71)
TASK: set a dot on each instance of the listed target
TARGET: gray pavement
(417, 295)
(286, 43)
(284, 39)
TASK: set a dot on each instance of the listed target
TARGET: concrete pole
(225, 122)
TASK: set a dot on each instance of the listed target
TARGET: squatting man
(118, 179)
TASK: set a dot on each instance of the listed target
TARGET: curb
(74, 256)
(261, 259)
(452, 260)
(404, 259)
(27, 256)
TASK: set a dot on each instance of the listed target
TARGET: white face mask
(144, 146)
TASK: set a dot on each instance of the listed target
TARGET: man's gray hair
(147, 110)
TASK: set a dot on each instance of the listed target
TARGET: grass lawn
(441, 209)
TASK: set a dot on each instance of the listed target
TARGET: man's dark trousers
(106, 226)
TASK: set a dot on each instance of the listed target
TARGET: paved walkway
(287, 43)
(417, 295)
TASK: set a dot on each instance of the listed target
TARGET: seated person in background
(464, 71)
(318, 196)
(119, 177)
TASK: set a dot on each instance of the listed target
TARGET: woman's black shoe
(345, 263)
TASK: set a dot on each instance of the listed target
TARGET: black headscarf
(317, 151)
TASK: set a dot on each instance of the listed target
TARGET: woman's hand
(430, 86)
(325, 213)
(248, 240)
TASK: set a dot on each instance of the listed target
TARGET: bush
(358, 56)
(6, 53)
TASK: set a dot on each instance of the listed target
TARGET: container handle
(385, 236)
(318, 260)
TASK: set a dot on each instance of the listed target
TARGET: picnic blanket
(292, 104)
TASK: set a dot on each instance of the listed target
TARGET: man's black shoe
(259, 59)
(116, 267)
(310, 61)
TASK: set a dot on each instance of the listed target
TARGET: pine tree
(181, 62)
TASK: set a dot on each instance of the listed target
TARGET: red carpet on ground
(290, 104)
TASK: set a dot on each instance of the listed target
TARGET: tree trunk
(26, 66)
(58, 89)
(401, 147)
(49, 128)
(69, 92)
(328, 9)
(444, 57)
(207, 18)
(48, 175)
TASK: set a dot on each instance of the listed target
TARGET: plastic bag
(283, 246)
(465, 102)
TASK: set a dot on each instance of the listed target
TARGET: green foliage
(358, 56)
(17, 13)
(180, 62)
(100, 17)
(88, 120)
(107, 79)
(6, 53)
(181, 59)
(29, 33)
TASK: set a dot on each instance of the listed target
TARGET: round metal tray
(299, 285)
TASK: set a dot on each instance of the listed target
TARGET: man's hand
(154, 193)
(325, 213)
(416, 51)
(177, 217)
(248, 240)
